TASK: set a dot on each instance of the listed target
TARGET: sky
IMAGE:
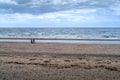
(59, 13)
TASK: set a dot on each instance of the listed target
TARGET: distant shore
(59, 61)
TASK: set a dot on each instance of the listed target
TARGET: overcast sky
(59, 13)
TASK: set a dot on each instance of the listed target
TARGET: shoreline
(83, 39)
(62, 41)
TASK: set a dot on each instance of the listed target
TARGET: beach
(55, 61)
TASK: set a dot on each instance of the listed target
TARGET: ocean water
(76, 33)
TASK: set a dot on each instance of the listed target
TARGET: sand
(43, 61)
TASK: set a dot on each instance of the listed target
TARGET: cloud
(61, 18)
(37, 7)
(59, 12)
(116, 7)
(69, 14)
(8, 2)
(70, 17)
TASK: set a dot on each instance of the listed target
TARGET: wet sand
(24, 61)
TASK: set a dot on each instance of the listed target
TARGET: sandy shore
(24, 61)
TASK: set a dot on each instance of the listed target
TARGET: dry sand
(24, 61)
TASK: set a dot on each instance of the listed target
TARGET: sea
(76, 33)
(70, 33)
